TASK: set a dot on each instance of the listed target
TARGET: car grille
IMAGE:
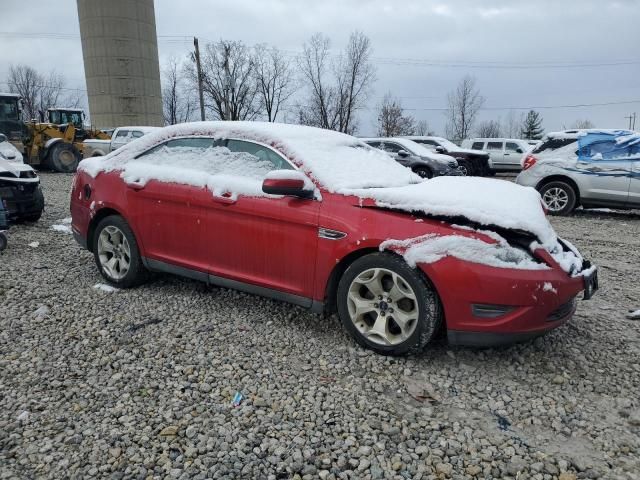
(562, 311)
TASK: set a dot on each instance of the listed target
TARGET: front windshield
(61, 118)
(9, 109)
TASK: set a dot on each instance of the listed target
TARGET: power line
(416, 62)
(537, 107)
(8, 84)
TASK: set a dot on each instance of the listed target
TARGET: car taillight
(529, 162)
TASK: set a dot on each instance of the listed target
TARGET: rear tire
(424, 172)
(63, 157)
(116, 253)
(559, 197)
(403, 314)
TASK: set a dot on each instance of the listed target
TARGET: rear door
(265, 242)
(496, 154)
(170, 217)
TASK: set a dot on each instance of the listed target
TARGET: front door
(512, 156)
(262, 241)
(634, 185)
(496, 154)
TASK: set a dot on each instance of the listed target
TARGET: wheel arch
(97, 218)
(560, 178)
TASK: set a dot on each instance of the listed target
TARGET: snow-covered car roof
(336, 160)
(7, 94)
(141, 128)
(576, 133)
(64, 109)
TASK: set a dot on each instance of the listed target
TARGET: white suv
(592, 168)
(505, 154)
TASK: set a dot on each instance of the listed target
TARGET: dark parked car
(471, 162)
(414, 156)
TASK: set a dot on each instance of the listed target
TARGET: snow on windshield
(335, 160)
(446, 143)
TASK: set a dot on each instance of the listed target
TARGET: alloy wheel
(382, 306)
(114, 252)
(555, 199)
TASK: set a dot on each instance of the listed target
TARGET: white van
(505, 154)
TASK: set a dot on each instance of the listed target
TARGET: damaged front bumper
(22, 198)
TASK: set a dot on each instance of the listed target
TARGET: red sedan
(321, 220)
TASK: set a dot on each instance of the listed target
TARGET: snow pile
(64, 226)
(431, 248)
(34, 244)
(335, 160)
(482, 200)
(10, 153)
(103, 287)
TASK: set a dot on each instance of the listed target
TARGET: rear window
(553, 144)
(477, 145)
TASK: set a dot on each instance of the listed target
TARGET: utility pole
(634, 121)
(197, 55)
(630, 117)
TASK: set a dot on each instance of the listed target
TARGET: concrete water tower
(120, 50)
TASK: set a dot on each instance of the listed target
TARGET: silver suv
(592, 168)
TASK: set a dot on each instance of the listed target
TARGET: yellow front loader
(57, 143)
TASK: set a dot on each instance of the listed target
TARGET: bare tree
(463, 105)
(228, 71)
(489, 129)
(586, 123)
(177, 104)
(392, 121)
(274, 78)
(337, 88)
(40, 92)
(511, 127)
(422, 129)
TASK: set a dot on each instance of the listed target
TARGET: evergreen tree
(532, 126)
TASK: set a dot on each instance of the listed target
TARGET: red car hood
(483, 201)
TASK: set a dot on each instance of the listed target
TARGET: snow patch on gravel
(103, 287)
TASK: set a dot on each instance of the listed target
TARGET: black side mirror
(289, 183)
(440, 149)
(403, 153)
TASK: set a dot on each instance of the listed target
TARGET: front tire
(63, 157)
(387, 306)
(465, 167)
(116, 253)
(424, 172)
(559, 197)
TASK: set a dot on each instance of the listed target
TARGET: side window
(514, 147)
(191, 143)
(261, 154)
(494, 145)
(122, 134)
(374, 144)
(136, 134)
(392, 147)
(477, 145)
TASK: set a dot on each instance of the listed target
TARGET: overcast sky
(548, 37)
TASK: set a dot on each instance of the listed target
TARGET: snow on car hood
(13, 167)
(10, 153)
(484, 201)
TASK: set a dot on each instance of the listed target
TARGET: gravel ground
(139, 383)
